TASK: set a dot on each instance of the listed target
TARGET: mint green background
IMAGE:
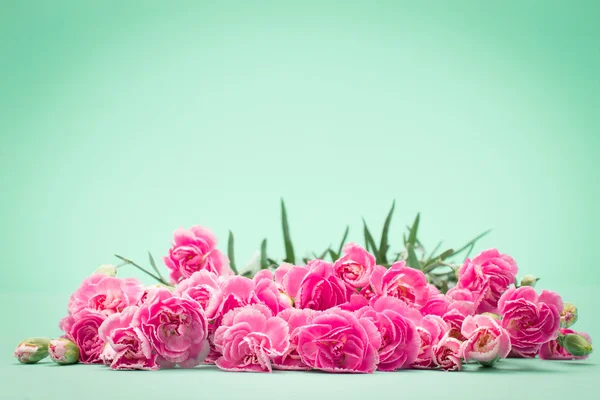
(121, 121)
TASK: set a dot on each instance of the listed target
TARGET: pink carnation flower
(456, 314)
(268, 293)
(552, 350)
(356, 302)
(400, 341)
(289, 277)
(430, 330)
(193, 250)
(203, 287)
(337, 341)
(437, 304)
(530, 320)
(213, 354)
(108, 354)
(485, 340)
(150, 292)
(314, 286)
(404, 283)
(249, 338)
(238, 291)
(175, 327)
(457, 294)
(131, 348)
(447, 354)
(296, 319)
(82, 329)
(105, 294)
(355, 267)
(487, 276)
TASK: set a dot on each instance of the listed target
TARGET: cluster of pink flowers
(348, 316)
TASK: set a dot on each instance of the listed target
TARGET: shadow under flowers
(577, 363)
(514, 366)
(506, 366)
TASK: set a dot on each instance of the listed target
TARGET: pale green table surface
(511, 379)
(37, 315)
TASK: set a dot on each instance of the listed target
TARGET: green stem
(433, 266)
(128, 261)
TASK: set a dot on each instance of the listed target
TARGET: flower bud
(32, 350)
(576, 344)
(529, 280)
(63, 351)
(492, 315)
(107, 269)
(568, 316)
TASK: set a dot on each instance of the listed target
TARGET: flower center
(334, 348)
(170, 322)
(404, 293)
(352, 270)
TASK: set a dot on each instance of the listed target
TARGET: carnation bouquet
(350, 308)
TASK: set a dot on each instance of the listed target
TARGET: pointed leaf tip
(231, 253)
(383, 244)
(153, 264)
(344, 240)
(412, 237)
(289, 248)
(264, 263)
(370, 242)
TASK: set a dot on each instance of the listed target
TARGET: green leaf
(437, 247)
(446, 254)
(333, 255)
(305, 260)
(472, 242)
(339, 252)
(263, 255)
(418, 242)
(469, 252)
(289, 248)
(153, 264)
(323, 254)
(383, 245)
(369, 240)
(272, 262)
(128, 261)
(412, 236)
(412, 260)
(230, 253)
(433, 263)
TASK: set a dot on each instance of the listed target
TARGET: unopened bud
(577, 345)
(568, 316)
(107, 269)
(63, 351)
(32, 350)
(529, 280)
(492, 315)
